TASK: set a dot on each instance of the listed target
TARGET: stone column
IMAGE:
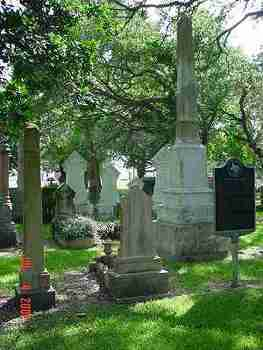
(186, 108)
(7, 227)
(42, 295)
(20, 182)
(185, 225)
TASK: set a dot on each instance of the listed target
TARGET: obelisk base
(189, 242)
(137, 278)
(184, 229)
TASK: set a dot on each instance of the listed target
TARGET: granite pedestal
(137, 277)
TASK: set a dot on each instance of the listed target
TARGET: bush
(73, 228)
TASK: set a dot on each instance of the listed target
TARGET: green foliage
(225, 143)
(73, 228)
(83, 73)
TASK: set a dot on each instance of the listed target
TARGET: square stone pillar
(33, 275)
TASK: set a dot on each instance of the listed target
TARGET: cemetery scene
(131, 175)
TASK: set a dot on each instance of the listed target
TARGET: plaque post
(235, 261)
(235, 200)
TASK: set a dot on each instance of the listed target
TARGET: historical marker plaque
(235, 199)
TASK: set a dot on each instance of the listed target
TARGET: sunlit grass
(56, 261)
(253, 239)
(197, 277)
(198, 320)
(9, 267)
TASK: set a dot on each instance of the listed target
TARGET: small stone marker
(65, 207)
(7, 228)
(35, 278)
(235, 205)
(75, 167)
(137, 271)
(109, 194)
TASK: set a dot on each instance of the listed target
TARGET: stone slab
(41, 300)
(137, 264)
(141, 284)
(136, 237)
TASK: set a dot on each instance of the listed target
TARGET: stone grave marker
(75, 167)
(34, 279)
(137, 270)
(8, 234)
(65, 207)
(109, 193)
(185, 206)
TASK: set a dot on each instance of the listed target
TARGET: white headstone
(162, 163)
(75, 167)
(109, 194)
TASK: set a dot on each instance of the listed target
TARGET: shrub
(73, 228)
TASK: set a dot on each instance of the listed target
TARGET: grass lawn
(57, 261)
(198, 319)
(219, 321)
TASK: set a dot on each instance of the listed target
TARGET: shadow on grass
(207, 322)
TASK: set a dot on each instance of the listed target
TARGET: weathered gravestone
(75, 167)
(8, 235)
(183, 200)
(235, 201)
(65, 207)
(34, 277)
(109, 194)
(137, 270)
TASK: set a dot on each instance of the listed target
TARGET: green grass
(198, 320)
(259, 213)
(56, 261)
(253, 239)
(196, 277)
(220, 321)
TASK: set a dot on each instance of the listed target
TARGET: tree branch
(142, 4)
(228, 31)
(250, 140)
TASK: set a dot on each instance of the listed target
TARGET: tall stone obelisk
(184, 228)
(8, 235)
(33, 275)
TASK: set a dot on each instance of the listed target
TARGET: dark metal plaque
(235, 199)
